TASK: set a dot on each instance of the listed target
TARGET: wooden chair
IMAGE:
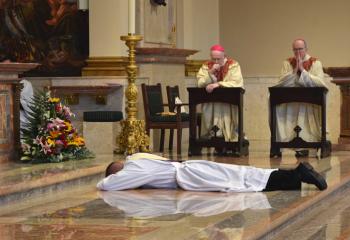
(154, 106)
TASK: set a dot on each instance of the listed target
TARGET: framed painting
(54, 33)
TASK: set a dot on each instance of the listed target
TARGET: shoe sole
(321, 183)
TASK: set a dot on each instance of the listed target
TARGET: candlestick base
(133, 137)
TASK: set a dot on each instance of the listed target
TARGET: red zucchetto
(217, 47)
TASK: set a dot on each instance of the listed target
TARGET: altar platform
(60, 201)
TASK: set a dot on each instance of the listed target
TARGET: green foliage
(49, 135)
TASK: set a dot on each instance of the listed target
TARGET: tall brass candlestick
(133, 137)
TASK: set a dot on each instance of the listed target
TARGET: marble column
(108, 20)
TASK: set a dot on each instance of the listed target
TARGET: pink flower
(46, 148)
(56, 123)
(50, 126)
(67, 112)
(38, 140)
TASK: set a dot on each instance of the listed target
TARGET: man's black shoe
(302, 153)
(309, 175)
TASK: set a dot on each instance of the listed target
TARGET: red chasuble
(306, 64)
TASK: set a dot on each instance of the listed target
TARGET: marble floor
(72, 208)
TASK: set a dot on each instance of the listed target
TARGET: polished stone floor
(72, 209)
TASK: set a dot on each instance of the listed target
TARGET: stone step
(279, 224)
(328, 220)
(20, 180)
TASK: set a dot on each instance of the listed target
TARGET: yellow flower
(77, 141)
(54, 100)
(50, 141)
(80, 141)
(72, 143)
(68, 125)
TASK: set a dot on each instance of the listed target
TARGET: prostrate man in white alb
(151, 171)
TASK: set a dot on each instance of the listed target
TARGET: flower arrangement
(49, 135)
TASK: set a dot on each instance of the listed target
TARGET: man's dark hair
(109, 169)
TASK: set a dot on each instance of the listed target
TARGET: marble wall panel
(6, 126)
(4, 116)
(100, 137)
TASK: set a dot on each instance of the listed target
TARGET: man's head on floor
(114, 167)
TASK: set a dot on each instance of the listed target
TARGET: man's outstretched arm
(124, 180)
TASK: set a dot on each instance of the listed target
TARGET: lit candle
(132, 16)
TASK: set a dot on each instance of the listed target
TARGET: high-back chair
(172, 93)
(156, 117)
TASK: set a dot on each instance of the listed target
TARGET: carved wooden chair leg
(275, 152)
(245, 148)
(326, 149)
(161, 144)
(199, 124)
(179, 136)
(171, 138)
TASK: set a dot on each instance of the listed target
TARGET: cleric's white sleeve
(125, 180)
(313, 78)
(287, 77)
(203, 77)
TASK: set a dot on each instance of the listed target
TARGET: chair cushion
(103, 116)
(171, 118)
